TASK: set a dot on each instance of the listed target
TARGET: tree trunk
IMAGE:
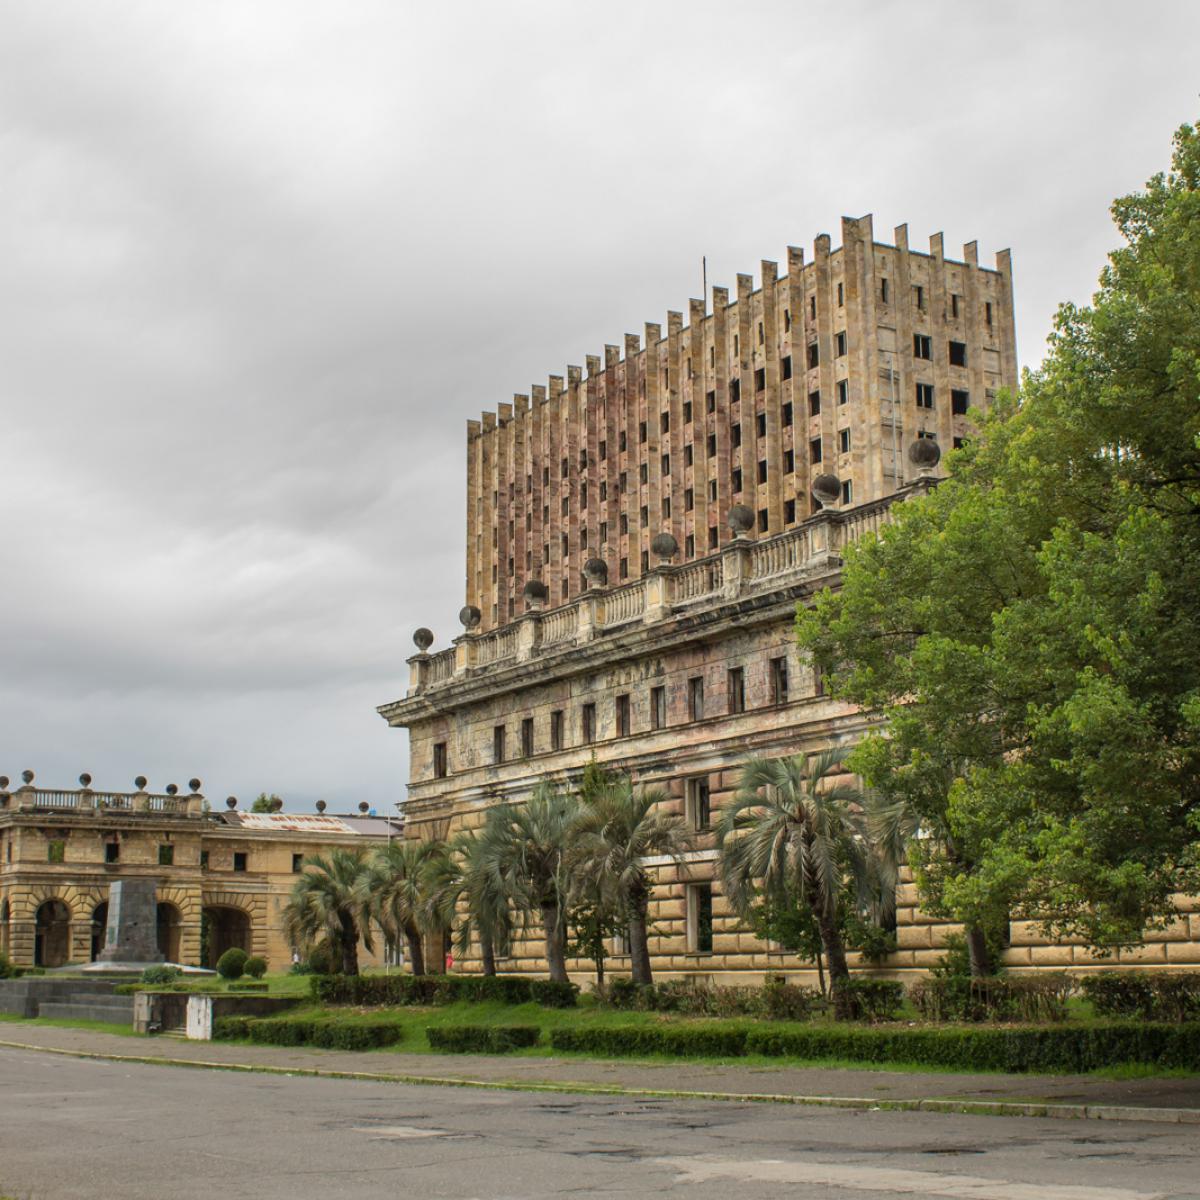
(639, 947)
(416, 952)
(349, 945)
(488, 953)
(821, 973)
(977, 948)
(555, 950)
(835, 956)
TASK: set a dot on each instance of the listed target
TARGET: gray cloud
(263, 260)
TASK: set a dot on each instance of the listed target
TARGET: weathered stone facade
(230, 871)
(582, 641)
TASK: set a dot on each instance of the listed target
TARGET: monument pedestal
(131, 938)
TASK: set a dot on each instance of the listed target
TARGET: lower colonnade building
(221, 879)
(638, 538)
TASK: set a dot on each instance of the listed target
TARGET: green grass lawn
(98, 1026)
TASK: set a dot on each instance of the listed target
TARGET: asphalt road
(76, 1128)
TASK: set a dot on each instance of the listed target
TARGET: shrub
(229, 1029)
(874, 999)
(7, 970)
(482, 1039)
(161, 974)
(1027, 998)
(331, 1034)
(712, 1041)
(389, 991)
(790, 1002)
(249, 987)
(232, 963)
(256, 967)
(1166, 996)
(776, 1000)
(301, 968)
(1068, 1049)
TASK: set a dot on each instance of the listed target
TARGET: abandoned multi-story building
(221, 878)
(640, 532)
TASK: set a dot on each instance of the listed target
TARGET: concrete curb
(987, 1108)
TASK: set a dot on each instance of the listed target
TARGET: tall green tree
(395, 889)
(468, 900)
(618, 828)
(1028, 631)
(792, 835)
(524, 849)
(327, 902)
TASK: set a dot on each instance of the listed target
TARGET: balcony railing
(84, 800)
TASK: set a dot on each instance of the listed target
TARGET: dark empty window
(711, 401)
(735, 436)
(712, 445)
(665, 464)
(843, 441)
(527, 737)
(987, 313)
(166, 854)
(556, 730)
(736, 688)
(760, 424)
(498, 744)
(644, 516)
(623, 568)
(689, 499)
(700, 912)
(623, 522)
(814, 404)
(664, 422)
(603, 451)
(623, 716)
(762, 470)
(587, 723)
(297, 863)
(713, 536)
(779, 693)
(56, 851)
(760, 379)
(658, 708)
(843, 390)
(785, 367)
(696, 698)
(840, 343)
(204, 860)
(785, 415)
(698, 804)
(641, 431)
(789, 462)
(919, 296)
(789, 512)
(736, 481)
(814, 354)
(566, 467)
(239, 860)
(954, 305)
(814, 450)
(112, 852)
(689, 546)
(883, 290)
(841, 295)
(764, 520)
(958, 354)
(439, 760)
(922, 345)
(847, 492)
(687, 412)
(924, 395)
(687, 455)
(643, 472)
(621, 440)
(959, 402)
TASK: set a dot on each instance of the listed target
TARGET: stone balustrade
(743, 567)
(84, 800)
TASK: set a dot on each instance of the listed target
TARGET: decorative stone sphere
(140, 783)
(469, 616)
(172, 790)
(741, 519)
(827, 489)
(536, 592)
(276, 805)
(194, 785)
(925, 453)
(85, 780)
(423, 639)
(595, 571)
(231, 802)
(320, 806)
(3, 782)
(27, 776)
(363, 806)
(664, 545)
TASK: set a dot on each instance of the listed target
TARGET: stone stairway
(67, 998)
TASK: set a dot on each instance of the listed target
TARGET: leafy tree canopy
(1030, 631)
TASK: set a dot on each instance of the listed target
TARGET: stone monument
(132, 934)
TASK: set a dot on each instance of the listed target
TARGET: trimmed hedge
(393, 991)
(1064, 1049)
(482, 1039)
(777, 1000)
(1028, 998)
(249, 987)
(717, 1041)
(874, 999)
(1166, 996)
(299, 1031)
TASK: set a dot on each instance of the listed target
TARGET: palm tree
(616, 831)
(394, 888)
(327, 900)
(460, 890)
(790, 832)
(523, 854)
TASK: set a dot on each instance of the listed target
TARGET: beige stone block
(913, 937)
(1016, 956)
(1176, 930)
(906, 895)
(725, 943)
(1183, 952)
(1143, 954)
(1051, 956)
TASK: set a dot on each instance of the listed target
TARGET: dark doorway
(220, 930)
(170, 923)
(99, 928)
(52, 935)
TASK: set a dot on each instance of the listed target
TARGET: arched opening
(4, 918)
(220, 930)
(99, 928)
(52, 934)
(170, 923)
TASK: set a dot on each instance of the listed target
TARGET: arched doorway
(99, 928)
(4, 918)
(52, 934)
(220, 930)
(170, 925)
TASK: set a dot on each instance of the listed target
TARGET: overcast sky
(259, 263)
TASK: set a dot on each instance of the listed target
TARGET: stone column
(132, 935)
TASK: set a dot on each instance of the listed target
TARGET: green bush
(790, 1002)
(1027, 998)
(1165, 996)
(7, 970)
(1066, 1049)
(161, 974)
(391, 991)
(249, 987)
(482, 1039)
(256, 967)
(232, 963)
(331, 1034)
(874, 999)
(777, 1000)
(681, 1041)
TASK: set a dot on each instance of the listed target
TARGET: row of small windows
(56, 852)
(697, 709)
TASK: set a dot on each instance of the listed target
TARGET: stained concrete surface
(73, 1128)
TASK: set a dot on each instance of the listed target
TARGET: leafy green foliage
(328, 1033)
(681, 1041)
(328, 905)
(383, 991)
(1162, 996)
(161, 974)
(1028, 630)
(776, 1000)
(264, 803)
(874, 999)
(232, 963)
(482, 1039)
(256, 967)
(1030, 998)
